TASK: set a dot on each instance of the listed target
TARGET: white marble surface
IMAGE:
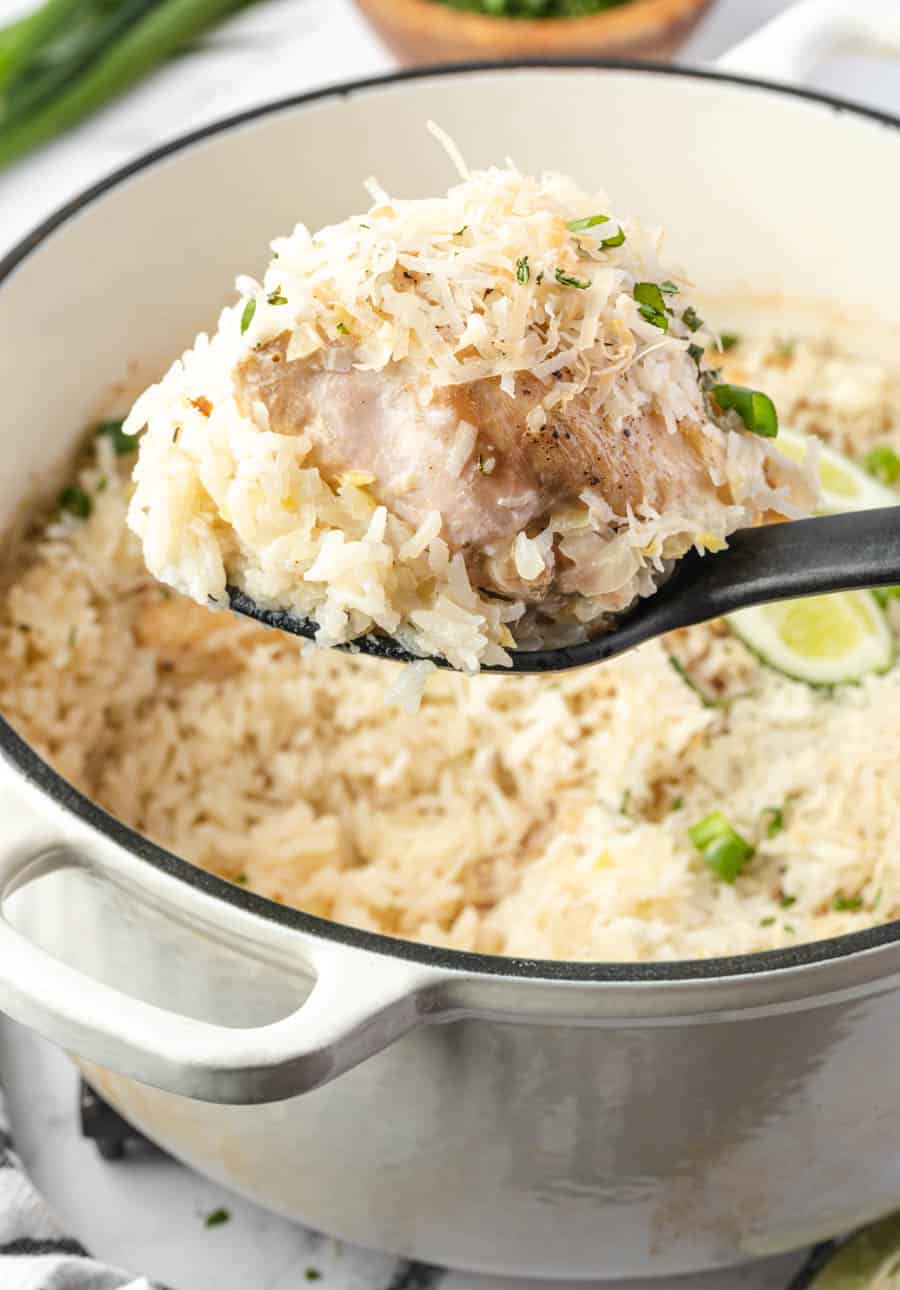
(147, 1213)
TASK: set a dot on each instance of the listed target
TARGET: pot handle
(790, 46)
(361, 1002)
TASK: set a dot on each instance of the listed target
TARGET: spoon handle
(802, 558)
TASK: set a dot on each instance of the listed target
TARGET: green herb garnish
(668, 288)
(885, 594)
(676, 804)
(217, 1218)
(523, 272)
(728, 340)
(313, 1274)
(787, 901)
(459, 232)
(651, 304)
(773, 821)
(121, 442)
(767, 922)
(884, 464)
(593, 221)
(76, 501)
(756, 410)
(847, 904)
(692, 319)
(247, 315)
(722, 848)
(344, 331)
(567, 280)
(276, 298)
(696, 352)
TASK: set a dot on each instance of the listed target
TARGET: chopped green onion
(121, 442)
(592, 221)
(847, 904)
(668, 288)
(789, 927)
(692, 319)
(217, 1218)
(276, 298)
(756, 410)
(728, 340)
(775, 817)
(342, 329)
(539, 279)
(787, 901)
(696, 352)
(459, 232)
(767, 922)
(651, 304)
(102, 484)
(884, 464)
(589, 221)
(523, 272)
(76, 501)
(566, 280)
(247, 315)
(723, 849)
(676, 804)
(313, 1274)
(885, 594)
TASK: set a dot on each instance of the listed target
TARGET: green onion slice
(122, 443)
(692, 319)
(592, 221)
(884, 464)
(247, 315)
(76, 501)
(567, 280)
(756, 410)
(728, 340)
(773, 821)
(651, 304)
(523, 272)
(668, 288)
(722, 848)
(276, 298)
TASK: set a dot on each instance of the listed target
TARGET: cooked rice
(538, 817)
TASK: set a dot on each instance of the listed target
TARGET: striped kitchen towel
(35, 1253)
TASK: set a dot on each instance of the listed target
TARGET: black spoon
(773, 562)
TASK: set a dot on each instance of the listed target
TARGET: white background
(146, 1213)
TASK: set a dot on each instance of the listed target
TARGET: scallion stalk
(723, 849)
(756, 410)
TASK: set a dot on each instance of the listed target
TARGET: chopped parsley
(247, 315)
(884, 464)
(692, 319)
(122, 443)
(755, 409)
(722, 847)
(76, 501)
(772, 821)
(651, 304)
(523, 272)
(276, 297)
(217, 1218)
(567, 280)
(847, 904)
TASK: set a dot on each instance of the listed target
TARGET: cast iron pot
(550, 1119)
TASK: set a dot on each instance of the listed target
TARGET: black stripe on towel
(59, 1245)
(415, 1276)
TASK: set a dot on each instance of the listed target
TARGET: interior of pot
(103, 298)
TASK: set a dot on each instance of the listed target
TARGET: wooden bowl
(426, 31)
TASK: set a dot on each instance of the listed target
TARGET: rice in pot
(542, 817)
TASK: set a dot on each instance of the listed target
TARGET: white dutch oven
(519, 1117)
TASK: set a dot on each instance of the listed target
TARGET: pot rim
(19, 754)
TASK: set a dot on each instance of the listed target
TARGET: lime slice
(823, 640)
(870, 1260)
(845, 486)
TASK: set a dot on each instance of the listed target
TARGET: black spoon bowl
(773, 562)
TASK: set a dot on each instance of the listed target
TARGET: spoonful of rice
(485, 429)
